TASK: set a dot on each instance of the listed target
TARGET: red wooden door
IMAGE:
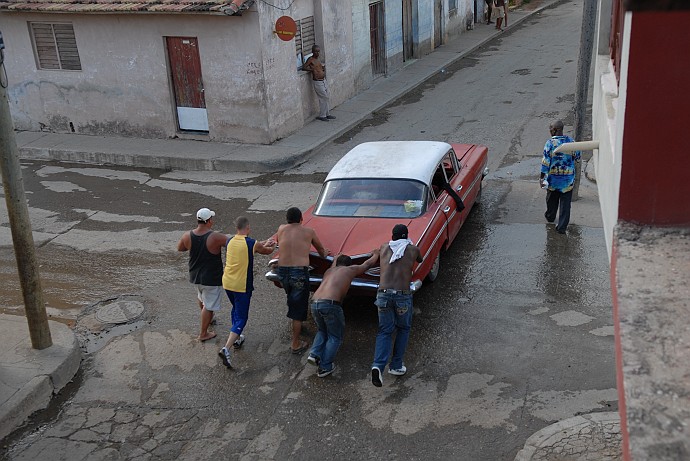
(185, 72)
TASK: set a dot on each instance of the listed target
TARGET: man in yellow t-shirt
(238, 281)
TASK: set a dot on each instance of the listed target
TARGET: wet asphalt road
(515, 334)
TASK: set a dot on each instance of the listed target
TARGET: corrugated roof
(118, 6)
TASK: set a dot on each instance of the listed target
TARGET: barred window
(304, 40)
(55, 46)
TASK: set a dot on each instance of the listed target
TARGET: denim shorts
(295, 281)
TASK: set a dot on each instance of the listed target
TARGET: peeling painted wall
(124, 87)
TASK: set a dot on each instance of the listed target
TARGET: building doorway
(188, 87)
(438, 22)
(377, 38)
(408, 42)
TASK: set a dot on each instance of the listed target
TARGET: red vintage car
(422, 184)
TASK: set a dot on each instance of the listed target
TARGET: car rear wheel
(478, 199)
(433, 273)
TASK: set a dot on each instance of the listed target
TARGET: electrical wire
(277, 7)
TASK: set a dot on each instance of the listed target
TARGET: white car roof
(391, 159)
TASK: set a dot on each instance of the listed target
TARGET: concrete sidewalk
(177, 154)
(29, 377)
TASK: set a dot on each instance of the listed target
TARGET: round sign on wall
(286, 28)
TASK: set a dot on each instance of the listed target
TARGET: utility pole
(584, 64)
(20, 224)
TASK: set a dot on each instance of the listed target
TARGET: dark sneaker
(323, 373)
(224, 354)
(397, 371)
(313, 360)
(330, 117)
(238, 342)
(376, 378)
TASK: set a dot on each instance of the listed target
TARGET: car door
(454, 216)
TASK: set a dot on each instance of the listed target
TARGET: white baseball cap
(205, 214)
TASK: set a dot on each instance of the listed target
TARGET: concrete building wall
(608, 118)
(287, 96)
(425, 26)
(361, 45)
(394, 35)
(124, 87)
(337, 48)
(460, 19)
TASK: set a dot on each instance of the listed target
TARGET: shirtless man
(394, 301)
(295, 243)
(327, 311)
(318, 77)
(205, 267)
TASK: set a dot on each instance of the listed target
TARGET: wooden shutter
(55, 46)
(304, 37)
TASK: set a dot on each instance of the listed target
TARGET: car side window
(438, 180)
(450, 165)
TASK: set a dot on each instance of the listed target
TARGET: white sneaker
(225, 357)
(397, 372)
(238, 342)
(376, 378)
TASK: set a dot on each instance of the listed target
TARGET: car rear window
(378, 198)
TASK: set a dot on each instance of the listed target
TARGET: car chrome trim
(433, 243)
(415, 285)
(428, 225)
(485, 172)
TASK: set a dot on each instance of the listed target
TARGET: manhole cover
(119, 312)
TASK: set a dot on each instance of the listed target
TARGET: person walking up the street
(205, 267)
(558, 177)
(497, 12)
(394, 302)
(327, 311)
(295, 242)
(238, 281)
(318, 76)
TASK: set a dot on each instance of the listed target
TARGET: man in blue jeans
(295, 242)
(327, 311)
(394, 302)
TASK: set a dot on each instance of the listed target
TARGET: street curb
(54, 367)
(550, 436)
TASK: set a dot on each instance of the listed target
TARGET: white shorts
(210, 296)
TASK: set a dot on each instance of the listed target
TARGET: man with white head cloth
(394, 302)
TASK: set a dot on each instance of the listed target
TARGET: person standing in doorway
(238, 281)
(318, 76)
(205, 267)
(558, 177)
(327, 310)
(394, 302)
(489, 3)
(295, 242)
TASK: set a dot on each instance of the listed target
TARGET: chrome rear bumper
(367, 285)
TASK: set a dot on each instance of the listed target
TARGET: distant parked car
(421, 184)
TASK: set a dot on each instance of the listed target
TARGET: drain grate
(119, 312)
